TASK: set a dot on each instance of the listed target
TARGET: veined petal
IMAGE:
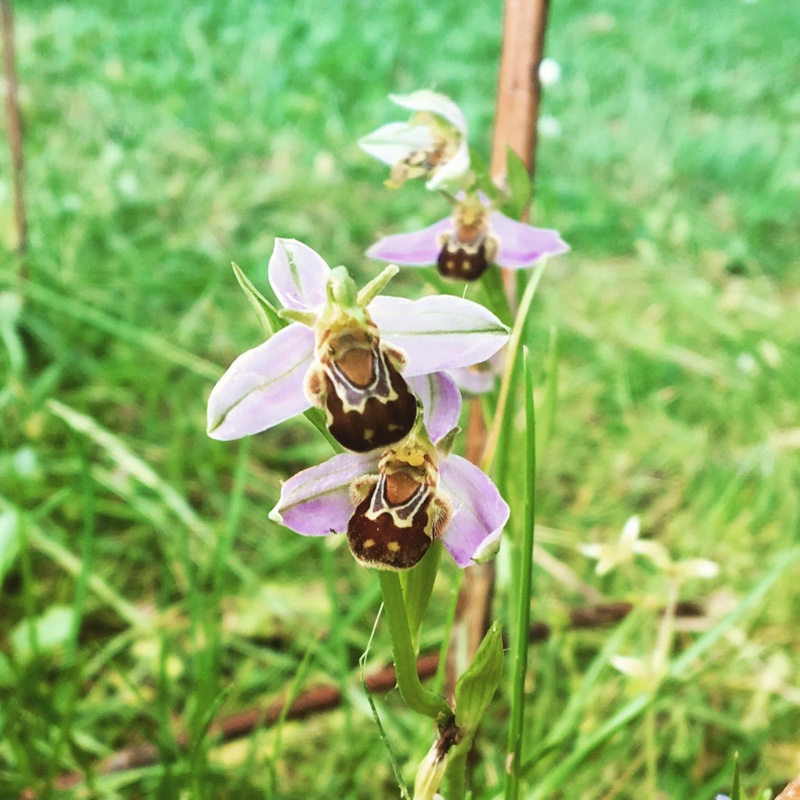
(522, 245)
(298, 275)
(416, 249)
(394, 141)
(439, 104)
(452, 170)
(438, 332)
(479, 512)
(441, 401)
(316, 501)
(263, 387)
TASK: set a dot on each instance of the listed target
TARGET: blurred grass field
(164, 141)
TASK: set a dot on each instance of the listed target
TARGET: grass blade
(523, 594)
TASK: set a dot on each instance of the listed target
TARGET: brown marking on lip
(358, 364)
(399, 487)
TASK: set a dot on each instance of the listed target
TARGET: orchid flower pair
(463, 245)
(371, 363)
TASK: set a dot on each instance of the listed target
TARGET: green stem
(415, 696)
(508, 375)
(524, 582)
(456, 775)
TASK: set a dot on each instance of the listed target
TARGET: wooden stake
(14, 128)
(518, 90)
(518, 94)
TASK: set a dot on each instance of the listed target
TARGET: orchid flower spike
(345, 353)
(431, 145)
(464, 245)
(394, 504)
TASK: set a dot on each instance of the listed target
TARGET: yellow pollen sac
(414, 458)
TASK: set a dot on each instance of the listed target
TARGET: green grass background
(164, 141)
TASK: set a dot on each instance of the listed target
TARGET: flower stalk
(415, 696)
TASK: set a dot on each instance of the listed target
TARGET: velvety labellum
(395, 524)
(466, 254)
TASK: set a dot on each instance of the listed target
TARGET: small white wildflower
(612, 555)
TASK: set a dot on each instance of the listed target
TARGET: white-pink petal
(317, 501)
(263, 386)
(436, 103)
(298, 275)
(479, 512)
(522, 245)
(441, 401)
(394, 141)
(416, 249)
(439, 332)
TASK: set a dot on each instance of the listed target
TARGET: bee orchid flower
(394, 503)
(349, 352)
(466, 243)
(431, 145)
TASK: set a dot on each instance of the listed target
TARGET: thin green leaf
(501, 426)
(267, 313)
(417, 587)
(524, 581)
(483, 177)
(736, 792)
(477, 685)
(519, 184)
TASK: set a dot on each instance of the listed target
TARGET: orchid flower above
(394, 504)
(464, 244)
(431, 145)
(345, 352)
